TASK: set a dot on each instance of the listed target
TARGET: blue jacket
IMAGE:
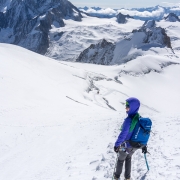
(125, 134)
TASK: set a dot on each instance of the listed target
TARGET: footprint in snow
(94, 178)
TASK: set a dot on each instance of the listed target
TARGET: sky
(122, 4)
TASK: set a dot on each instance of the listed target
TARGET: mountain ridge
(27, 23)
(157, 13)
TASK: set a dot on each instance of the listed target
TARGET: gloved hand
(116, 149)
(144, 150)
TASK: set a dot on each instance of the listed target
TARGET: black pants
(123, 156)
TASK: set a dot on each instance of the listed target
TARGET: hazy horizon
(129, 4)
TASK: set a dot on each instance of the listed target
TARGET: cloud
(159, 12)
(156, 13)
(107, 11)
(175, 9)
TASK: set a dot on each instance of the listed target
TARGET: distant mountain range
(149, 13)
(136, 44)
(54, 28)
(172, 18)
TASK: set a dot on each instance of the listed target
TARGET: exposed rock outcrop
(101, 53)
(172, 18)
(27, 22)
(122, 19)
(154, 34)
(149, 24)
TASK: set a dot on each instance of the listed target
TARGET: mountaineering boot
(115, 177)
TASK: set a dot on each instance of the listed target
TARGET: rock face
(156, 35)
(149, 24)
(27, 22)
(172, 18)
(122, 19)
(101, 53)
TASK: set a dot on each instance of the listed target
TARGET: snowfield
(55, 126)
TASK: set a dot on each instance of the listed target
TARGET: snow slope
(54, 124)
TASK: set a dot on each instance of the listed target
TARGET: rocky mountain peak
(153, 34)
(172, 17)
(158, 35)
(100, 53)
(103, 43)
(149, 24)
(27, 22)
(122, 19)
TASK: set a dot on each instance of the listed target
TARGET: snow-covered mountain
(68, 42)
(59, 30)
(139, 43)
(154, 35)
(27, 22)
(59, 120)
(172, 18)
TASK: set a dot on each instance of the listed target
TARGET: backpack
(141, 133)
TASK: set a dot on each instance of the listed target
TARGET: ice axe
(146, 161)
